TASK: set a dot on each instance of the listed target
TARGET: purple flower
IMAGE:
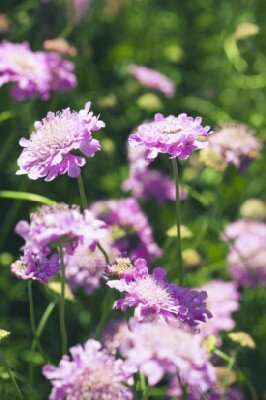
(153, 296)
(157, 349)
(113, 335)
(247, 256)
(129, 227)
(49, 227)
(236, 143)
(34, 73)
(85, 267)
(223, 300)
(80, 8)
(153, 79)
(90, 373)
(177, 136)
(48, 152)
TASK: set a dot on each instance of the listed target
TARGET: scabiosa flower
(157, 349)
(144, 182)
(48, 152)
(85, 267)
(154, 297)
(91, 373)
(121, 267)
(80, 8)
(153, 79)
(223, 300)
(247, 256)
(34, 73)
(128, 226)
(236, 143)
(113, 335)
(177, 136)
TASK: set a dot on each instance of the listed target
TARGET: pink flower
(48, 151)
(153, 296)
(34, 73)
(177, 136)
(153, 79)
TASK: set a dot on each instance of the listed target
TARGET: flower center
(150, 291)
(167, 127)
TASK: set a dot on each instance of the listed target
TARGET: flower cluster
(223, 300)
(51, 226)
(48, 151)
(128, 226)
(176, 136)
(91, 373)
(247, 256)
(153, 79)
(144, 182)
(154, 297)
(34, 73)
(157, 349)
(236, 144)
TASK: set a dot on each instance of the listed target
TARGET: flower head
(247, 256)
(128, 226)
(48, 152)
(91, 373)
(157, 349)
(113, 335)
(154, 297)
(153, 79)
(177, 136)
(34, 73)
(236, 144)
(222, 301)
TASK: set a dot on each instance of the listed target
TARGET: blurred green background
(215, 51)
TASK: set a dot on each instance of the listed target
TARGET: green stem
(230, 365)
(62, 303)
(83, 199)
(32, 322)
(143, 386)
(100, 247)
(40, 328)
(179, 250)
(6, 366)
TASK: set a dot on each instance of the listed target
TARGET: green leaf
(10, 194)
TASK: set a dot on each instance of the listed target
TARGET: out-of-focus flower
(153, 79)
(113, 335)
(246, 29)
(247, 256)
(253, 209)
(144, 182)
(236, 144)
(85, 267)
(34, 73)
(222, 301)
(80, 8)
(154, 297)
(243, 339)
(4, 334)
(149, 102)
(47, 153)
(60, 46)
(176, 136)
(51, 226)
(191, 258)
(157, 349)
(128, 226)
(5, 24)
(90, 373)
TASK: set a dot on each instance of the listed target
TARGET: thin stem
(230, 366)
(83, 199)
(62, 303)
(6, 366)
(143, 386)
(40, 328)
(100, 247)
(179, 250)
(32, 322)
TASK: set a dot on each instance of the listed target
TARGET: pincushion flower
(153, 79)
(247, 256)
(128, 226)
(48, 151)
(236, 144)
(34, 73)
(113, 335)
(154, 297)
(159, 349)
(176, 136)
(50, 227)
(223, 301)
(90, 373)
